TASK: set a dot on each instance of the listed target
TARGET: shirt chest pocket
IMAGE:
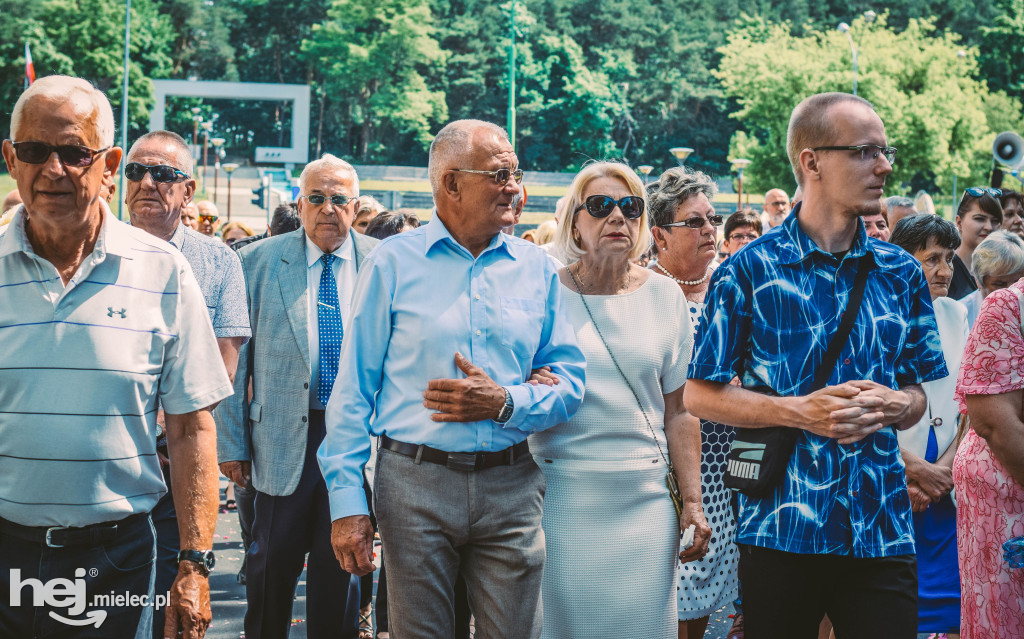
(522, 322)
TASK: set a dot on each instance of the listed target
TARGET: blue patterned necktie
(328, 315)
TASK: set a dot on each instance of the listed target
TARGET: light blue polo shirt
(82, 367)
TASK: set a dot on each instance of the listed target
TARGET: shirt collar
(437, 232)
(795, 246)
(113, 237)
(178, 237)
(313, 252)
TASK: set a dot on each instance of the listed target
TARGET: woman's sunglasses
(160, 172)
(69, 154)
(978, 191)
(599, 206)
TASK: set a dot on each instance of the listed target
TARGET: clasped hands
(851, 411)
(474, 398)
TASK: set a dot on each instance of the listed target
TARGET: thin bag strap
(828, 364)
(636, 396)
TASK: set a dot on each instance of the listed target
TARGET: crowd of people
(813, 412)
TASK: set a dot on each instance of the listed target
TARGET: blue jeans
(122, 566)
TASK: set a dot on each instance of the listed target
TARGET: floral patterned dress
(990, 502)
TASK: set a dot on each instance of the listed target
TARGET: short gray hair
(1001, 253)
(329, 161)
(672, 188)
(182, 154)
(898, 201)
(453, 142)
(65, 88)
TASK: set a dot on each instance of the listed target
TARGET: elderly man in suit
(299, 286)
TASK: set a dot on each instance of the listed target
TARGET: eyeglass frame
(55, 148)
(328, 198)
(704, 220)
(516, 174)
(616, 204)
(179, 175)
(889, 152)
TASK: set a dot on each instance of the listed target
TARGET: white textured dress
(611, 531)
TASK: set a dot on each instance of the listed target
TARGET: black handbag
(758, 458)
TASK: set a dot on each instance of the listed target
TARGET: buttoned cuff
(347, 501)
(520, 406)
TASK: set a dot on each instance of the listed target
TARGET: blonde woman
(611, 530)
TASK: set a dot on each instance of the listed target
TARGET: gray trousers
(436, 523)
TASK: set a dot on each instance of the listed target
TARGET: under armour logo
(123, 312)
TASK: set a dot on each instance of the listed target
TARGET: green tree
(920, 81)
(377, 57)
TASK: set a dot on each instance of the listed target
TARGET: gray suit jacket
(271, 429)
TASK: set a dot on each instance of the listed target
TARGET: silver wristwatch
(505, 413)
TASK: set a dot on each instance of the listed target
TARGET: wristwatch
(505, 413)
(204, 558)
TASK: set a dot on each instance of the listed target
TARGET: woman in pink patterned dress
(988, 471)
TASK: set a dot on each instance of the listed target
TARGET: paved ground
(229, 598)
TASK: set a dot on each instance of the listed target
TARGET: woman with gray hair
(610, 528)
(997, 263)
(684, 226)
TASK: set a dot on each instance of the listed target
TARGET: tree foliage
(921, 82)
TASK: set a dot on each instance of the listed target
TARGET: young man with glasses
(834, 534)
(159, 187)
(299, 286)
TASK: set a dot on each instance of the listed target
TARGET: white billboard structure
(298, 94)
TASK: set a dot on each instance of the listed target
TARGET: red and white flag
(30, 70)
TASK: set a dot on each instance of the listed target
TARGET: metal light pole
(207, 128)
(124, 105)
(845, 28)
(681, 153)
(217, 143)
(229, 168)
(739, 164)
(511, 117)
(645, 170)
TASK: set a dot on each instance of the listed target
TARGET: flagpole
(124, 108)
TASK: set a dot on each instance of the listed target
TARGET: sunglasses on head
(599, 206)
(69, 154)
(501, 176)
(978, 191)
(160, 172)
(336, 200)
(698, 222)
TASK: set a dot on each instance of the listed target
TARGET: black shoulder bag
(759, 456)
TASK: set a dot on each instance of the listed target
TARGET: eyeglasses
(698, 222)
(208, 218)
(69, 154)
(978, 191)
(500, 176)
(160, 172)
(867, 151)
(336, 200)
(599, 206)
(750, 237)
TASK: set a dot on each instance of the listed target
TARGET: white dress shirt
(345, 275)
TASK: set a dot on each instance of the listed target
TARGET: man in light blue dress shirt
(447, 324)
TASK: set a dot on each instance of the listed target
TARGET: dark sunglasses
(69, 154)
(501, 176)
(208, 218)
(336, 200)
(632, 206)
(160, 172)
(698, 222)
(978, 191)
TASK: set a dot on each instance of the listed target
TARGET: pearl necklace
(707, 274)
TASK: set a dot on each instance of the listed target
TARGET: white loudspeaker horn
(1008, 150)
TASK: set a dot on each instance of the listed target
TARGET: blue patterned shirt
(771, 311)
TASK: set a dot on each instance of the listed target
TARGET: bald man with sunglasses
(159, 187)
(299, 285)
